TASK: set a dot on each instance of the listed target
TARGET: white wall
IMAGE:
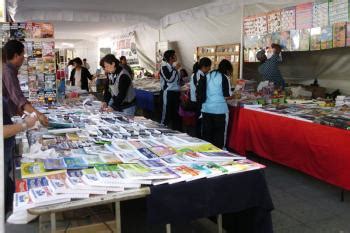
(215, 30)
(89, 50)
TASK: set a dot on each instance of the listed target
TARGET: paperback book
(327, 38)
(75, 163)
(304, 44)
(315, 39)
(295, 40)
(339, 35)
(55, 164)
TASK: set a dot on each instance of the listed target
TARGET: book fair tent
(88, 25)
(132, 134)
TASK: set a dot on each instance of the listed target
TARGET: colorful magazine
(315, 39)
(285, 41)
(35, 169)
(288, 19)
(327, 38)
(339, 35)
(304, 16)
(295, 40)
(22, 201)
(147, 153)
(37, 182)
(274, 21)
(304, 37)
(54, 164)
(75, 163)
(320, 14)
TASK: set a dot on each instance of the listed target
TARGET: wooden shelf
(218, 54)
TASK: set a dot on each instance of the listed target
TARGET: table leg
(40, 224)
(118, 223)
(53, 222)
(342, 195)
(219, 221)
(168, 228)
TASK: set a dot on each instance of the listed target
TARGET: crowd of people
(207, 96)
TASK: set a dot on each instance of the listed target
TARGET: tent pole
(242, 41)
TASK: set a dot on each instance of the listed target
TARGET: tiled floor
(302, 205)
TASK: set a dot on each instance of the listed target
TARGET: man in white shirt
(85, 64)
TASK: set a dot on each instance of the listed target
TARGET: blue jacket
(217, 89)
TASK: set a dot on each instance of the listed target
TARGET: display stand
(216, 53)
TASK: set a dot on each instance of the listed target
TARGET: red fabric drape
(320, 151)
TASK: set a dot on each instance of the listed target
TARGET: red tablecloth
(320, 151)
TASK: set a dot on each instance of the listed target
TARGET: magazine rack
(94, 201)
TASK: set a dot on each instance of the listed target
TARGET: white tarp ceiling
(82, 18)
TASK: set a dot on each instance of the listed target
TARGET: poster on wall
(304, 15)
(125, 45)
(338, 11)
(320, 14)
(161, 47)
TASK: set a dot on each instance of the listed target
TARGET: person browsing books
(200, 69)
(10, 131)
(86, 64)
(268, 68)
(13, 53)
(124, 64)
(80, 75)
(170, 86)
(119, 93)
(213, 91)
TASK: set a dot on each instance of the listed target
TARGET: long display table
(320, 151)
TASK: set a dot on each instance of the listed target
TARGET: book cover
(37, 50)
(29, 30)
(37, 182)
(221, 156)
(48, 50)
(326, 38)
(339, 35)
(274, 21)
(34, 169)
(93, 160)
(109, 159)
(163, 151)
(304, 15)
(41, 194)
(202, 148)
(21, 185)
(320, 14)
(288, 19)
(338, 11)
(136, 144)
(216, 168)
(295, 40)
(285, 41)
(54, 164)
(75, 163)
(22, 201)
(147, 153)
(47, 30)
(315, 39)
(276, 38)
(304, 44)
(348, 34)
(202, 169)
(152, 163)
(122, 145)
(36, 30)
(129, 157)
(260, 24)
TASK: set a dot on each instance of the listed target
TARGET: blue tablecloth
(145, 100)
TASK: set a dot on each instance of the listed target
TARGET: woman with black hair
(200, 69)
(215, 88)
(119, 93)
(80, 75)
(170, 86)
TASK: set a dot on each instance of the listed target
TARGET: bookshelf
(216, 53)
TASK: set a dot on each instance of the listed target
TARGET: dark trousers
(172, 118)
(9, 146)
(213, 126)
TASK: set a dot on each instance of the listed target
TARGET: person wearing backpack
(200, 69)
(170, 86)
(213, 91)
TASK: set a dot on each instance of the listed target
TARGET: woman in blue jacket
(214, 90)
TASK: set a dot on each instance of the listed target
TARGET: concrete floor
(302, 205)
